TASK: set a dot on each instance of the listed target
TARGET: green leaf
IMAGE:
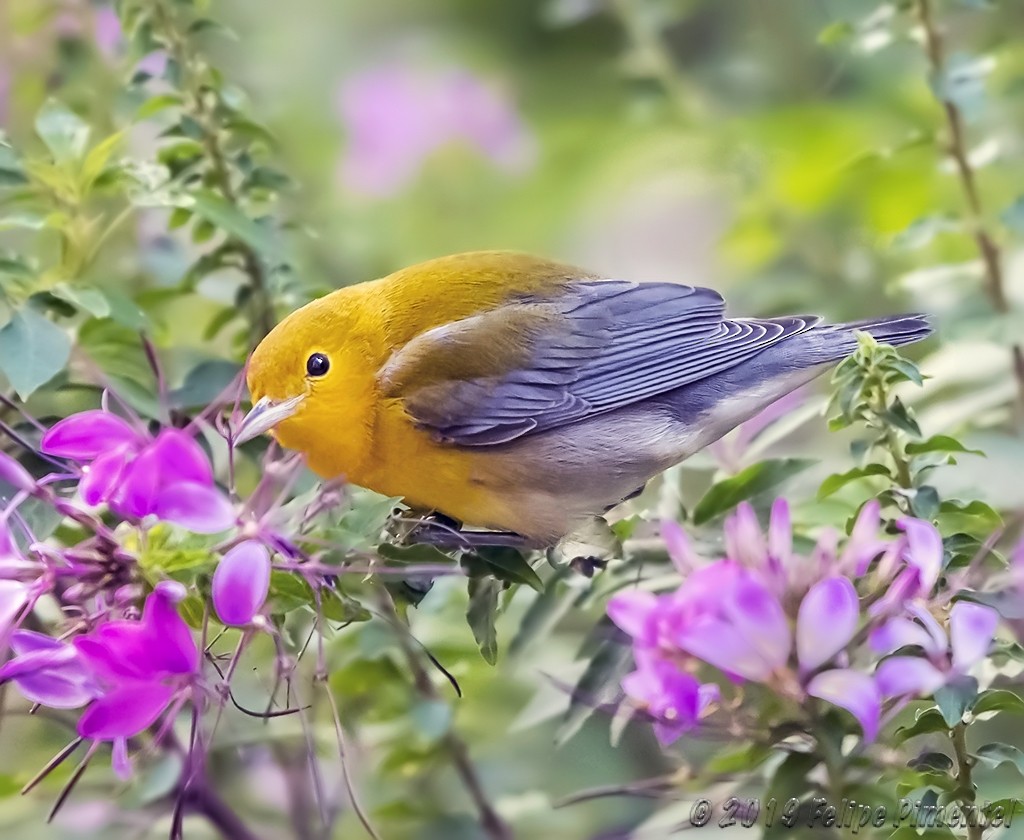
(837, 481)
(955, 698)
(899, 416)
(836, 32)
(97, 158)
(975, 518)
(289, 591)
(1008, 604)
(996, 754)
(940, 443)
(337, 606)
(998, 700)
(924, 502)
(33, 350)
(753, 481)
(65, 134)
(412, 555)
(155, 104)
(125, 311)
(505, 564)
(233, 221)
(11, 171)
(932, 761)
(483, 606)
(927, 721)
(204, 383)
(90, 299)
(544, 612)
(598, 684)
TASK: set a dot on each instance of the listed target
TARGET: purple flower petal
(971, 629)
(197, 507)
(120, 760)
(28, 641)
(938, 640)
(174, 649)
(677, 544)
(631, 611)
(826, 621)
(49, 672)
(668, 694)
(107, 32)
(102, 477)
(853, 691)
(757, 614)
(118, 651)
(743, 538)
(13, 598)
(908, 676)
(241, 583)
(923, 551)
(720, 644)
(899, 632)
(84, 436)
(126, 711)
(864, 544)
(780, 532)
(15, 474)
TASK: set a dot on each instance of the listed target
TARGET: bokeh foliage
(186, 180)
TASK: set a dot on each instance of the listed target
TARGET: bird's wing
(538, 363)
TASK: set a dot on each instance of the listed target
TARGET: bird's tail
(831, 342)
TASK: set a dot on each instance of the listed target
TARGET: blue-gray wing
(599, 346)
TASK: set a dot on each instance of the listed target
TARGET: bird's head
(298, 374)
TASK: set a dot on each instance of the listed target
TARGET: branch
(493, 825)
(965, 788)
(957, 149)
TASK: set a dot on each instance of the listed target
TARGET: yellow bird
(519, 394)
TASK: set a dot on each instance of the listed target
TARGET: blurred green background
(790, 154)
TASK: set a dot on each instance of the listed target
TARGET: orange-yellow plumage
(516, 393)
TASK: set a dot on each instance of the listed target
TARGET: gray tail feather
(832, 342)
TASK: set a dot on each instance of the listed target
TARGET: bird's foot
(444, 532)
(588, 548)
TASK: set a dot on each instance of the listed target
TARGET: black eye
(317, 364)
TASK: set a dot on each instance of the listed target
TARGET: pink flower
(971, 630)
(241, 583)
(398, 115)
(169, 477)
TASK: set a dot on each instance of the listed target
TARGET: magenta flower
(676, 700)
(49, 672)
(169, 477)
(241, 583)
(972, 628)
(912, 564)
(107, 32)
(142, 666)
(398, 115)
(14, 596)
(764, 615)
(15, 474)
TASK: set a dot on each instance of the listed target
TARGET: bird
(521, 395)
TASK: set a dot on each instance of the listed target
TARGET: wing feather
(599, 346)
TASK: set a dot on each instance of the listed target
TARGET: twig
(492, 823)
(196, 106)
(965, 784)
(957, 149)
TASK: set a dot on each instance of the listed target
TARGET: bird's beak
(264, 415)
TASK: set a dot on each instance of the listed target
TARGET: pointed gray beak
(263, 416)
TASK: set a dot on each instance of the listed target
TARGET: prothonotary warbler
(519, 394)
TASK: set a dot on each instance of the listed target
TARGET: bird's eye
(317, 364)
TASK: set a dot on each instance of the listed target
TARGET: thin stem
(965, 789)
(491, 822)
(957, 150)
(203, 800)
(197, 107)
